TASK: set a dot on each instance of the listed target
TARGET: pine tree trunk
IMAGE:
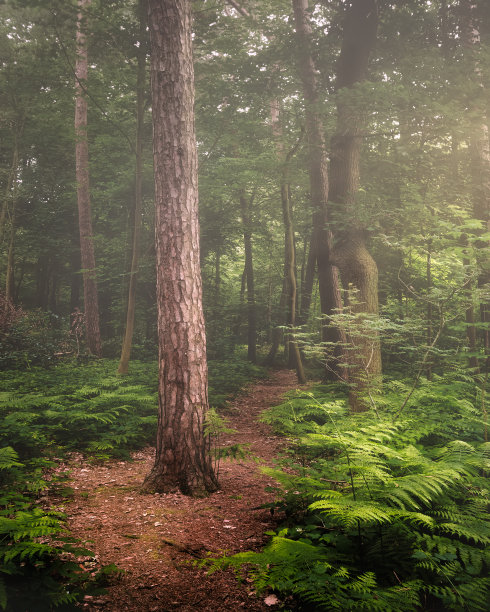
(83, 194)
(138, 201)
(330, 298)
(183, 459)
(358, 269)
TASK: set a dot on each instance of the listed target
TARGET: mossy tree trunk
(330, 297)
(358, 269)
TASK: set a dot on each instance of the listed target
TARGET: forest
(244, 305)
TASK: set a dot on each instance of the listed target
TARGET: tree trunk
(249, 271)
(83, 194)
(138, 201)
(330, 298)
(479, 148)
(183, 460)
(428, 368)
(11, 187)
(290, 283)
(307, 285)
(9, 274)
(358, 269)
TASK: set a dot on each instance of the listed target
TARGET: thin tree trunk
(429, 304)
(357, 268)
(245, 205)
(138, 201)
(479, 148)
(238, 320)
(183, 460)
(277, 331)
(290, 283)
(9, 274)
(307, 285)
(11, 187)
(217, 275)
(330, 298)
(83, 193)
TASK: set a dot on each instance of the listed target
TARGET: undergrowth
(387, 514)
(41, 565)
(46, 413)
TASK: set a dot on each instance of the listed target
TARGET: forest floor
(155, 538)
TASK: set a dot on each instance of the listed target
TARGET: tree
(91, 305)
(318, 171)
(182, 458)
(289, 290)
(479, 150)
(358, 269)
(138, 200)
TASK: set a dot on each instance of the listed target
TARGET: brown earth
(155, 538)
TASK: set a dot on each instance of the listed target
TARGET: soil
(155, 538)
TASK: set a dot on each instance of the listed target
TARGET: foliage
(83, 407)
(89, 408)
(41, 566)
(381, 514)
(31, 338)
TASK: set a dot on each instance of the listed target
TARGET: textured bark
(182, 459)
(138, 200)
(358, 269)
(245, 205)
(330, 298)
(83, 193)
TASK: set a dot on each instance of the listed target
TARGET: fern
(406, 499)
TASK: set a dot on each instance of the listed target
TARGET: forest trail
(154, 538)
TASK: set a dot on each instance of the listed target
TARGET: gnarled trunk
(358, 269)
(330, 298)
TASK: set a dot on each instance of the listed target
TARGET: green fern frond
(9, 458)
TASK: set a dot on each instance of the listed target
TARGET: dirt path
(154, 537)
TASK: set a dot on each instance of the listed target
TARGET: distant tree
(479, 151)
(182, 460)
(91, 305)
(138, 200)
